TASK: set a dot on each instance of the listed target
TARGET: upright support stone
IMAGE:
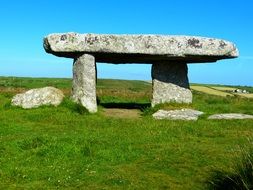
(84, 82)
(170, 83)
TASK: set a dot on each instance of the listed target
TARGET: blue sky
(25, 23)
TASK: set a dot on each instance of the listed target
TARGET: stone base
(170, 83)
(84, 82)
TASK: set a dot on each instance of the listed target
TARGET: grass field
(224, 88)
(247, 95)
(66, 148)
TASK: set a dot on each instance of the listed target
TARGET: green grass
(241, 177)
(67, 148)
(28, 83)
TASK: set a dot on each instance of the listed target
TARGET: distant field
(219, 91)
(211, 91)
(247, 95)
(121, 146)
(223, 88)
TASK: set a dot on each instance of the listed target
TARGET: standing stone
(84, 82)
(170, 83)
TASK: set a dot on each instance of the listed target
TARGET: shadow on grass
(74, 107)
(240, 179)
(123, 105)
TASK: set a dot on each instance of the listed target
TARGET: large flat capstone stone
(140, 48)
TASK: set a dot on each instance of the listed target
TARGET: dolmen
(169, 56)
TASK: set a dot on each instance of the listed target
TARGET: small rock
(231, 116)
(37, 97)
(183, 114)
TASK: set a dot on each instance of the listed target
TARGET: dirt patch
(122, 113)
(12, 90)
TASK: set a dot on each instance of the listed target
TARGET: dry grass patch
(247, 95)
(223, 88)
(125, 93)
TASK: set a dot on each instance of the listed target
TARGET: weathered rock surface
(183, 114)
(84, 82)
(231, 116)
(140, 48)
(170, 83)
(38, 97)
(168, 55)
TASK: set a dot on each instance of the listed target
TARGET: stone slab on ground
(37, 97)
(183, 114)
(140, 48)
(231, 116)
